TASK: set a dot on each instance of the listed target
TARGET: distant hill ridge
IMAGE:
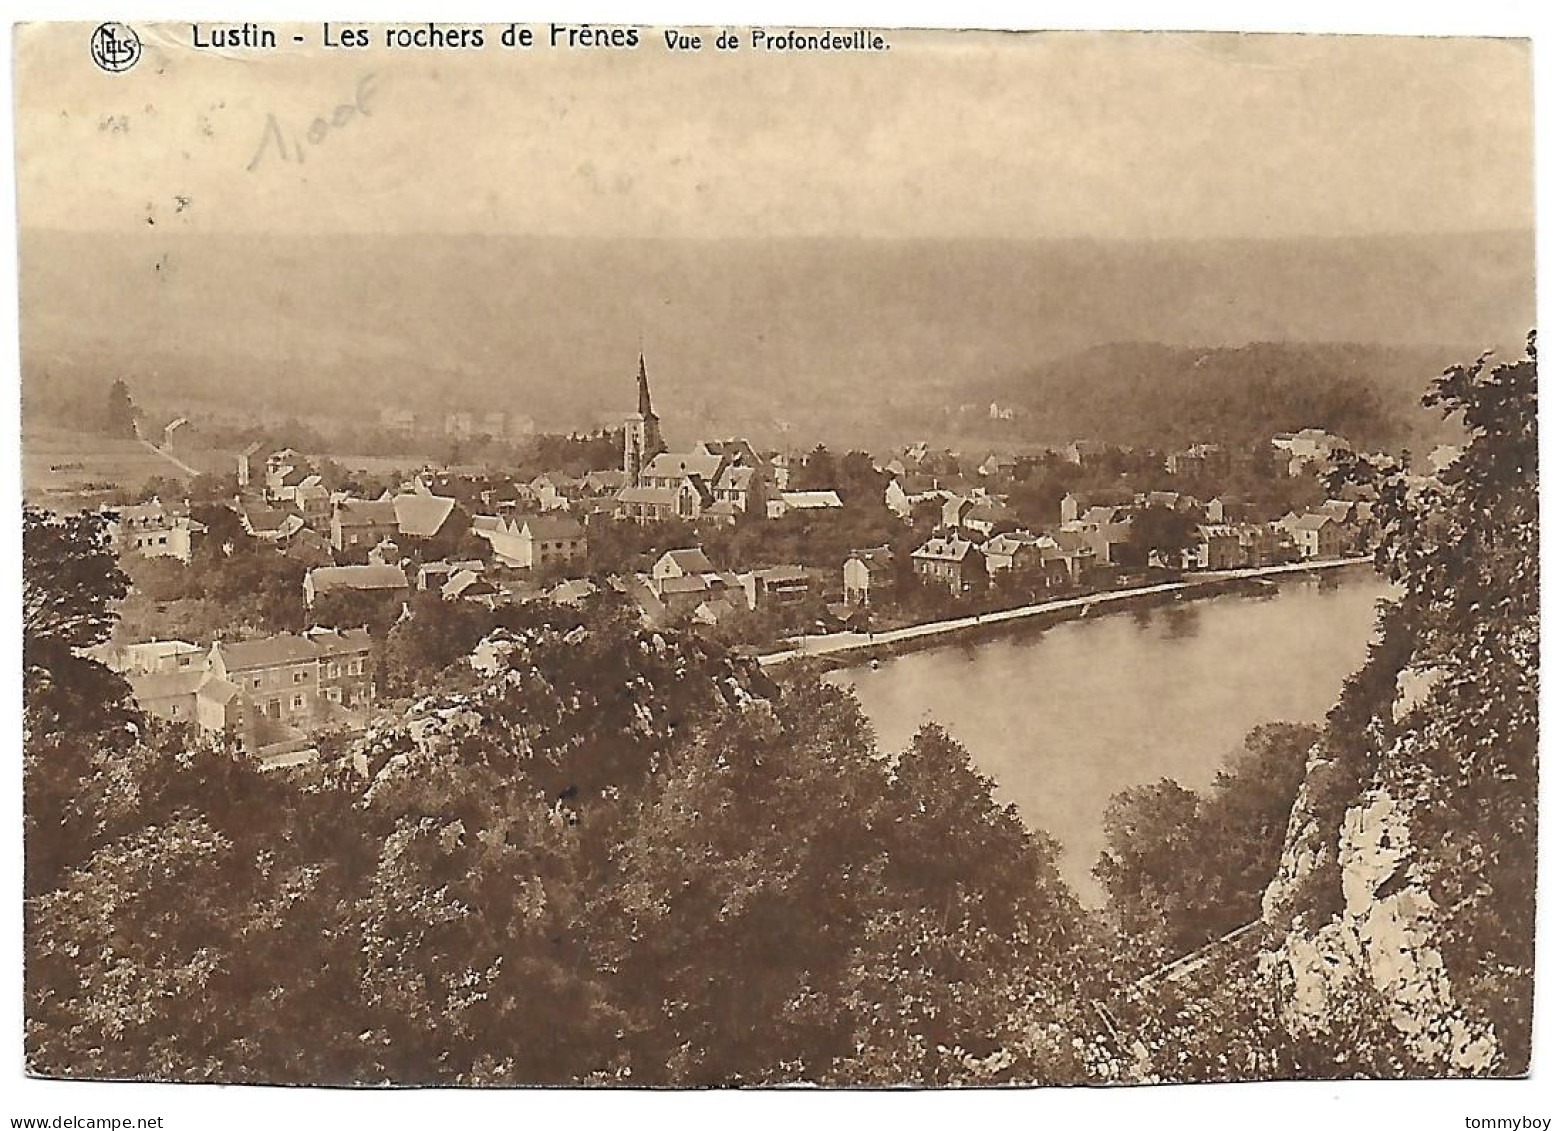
(828, 336)
(1153, 394)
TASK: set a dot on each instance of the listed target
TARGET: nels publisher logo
(115, 47)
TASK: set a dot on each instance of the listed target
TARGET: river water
(1062, 718)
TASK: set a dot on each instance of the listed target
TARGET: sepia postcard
(618, 556)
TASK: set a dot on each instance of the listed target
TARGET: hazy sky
(977, 134)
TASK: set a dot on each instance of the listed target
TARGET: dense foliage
(1182, 868)
(1145, 393)
(79, 719)
(232, 587)
(615, 856)
(1466, 549)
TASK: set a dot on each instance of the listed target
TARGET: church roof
(663, 496)
(670, 465)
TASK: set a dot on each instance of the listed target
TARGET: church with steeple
(718, 481)
(642, 432)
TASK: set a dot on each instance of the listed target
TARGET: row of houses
(262, 693)
(685, 583)
(1335, 529)
(957, 559)
(374, 546)
(961, 564)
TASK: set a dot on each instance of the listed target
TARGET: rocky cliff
(1404, 898)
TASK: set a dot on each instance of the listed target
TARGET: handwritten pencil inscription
(290, 146)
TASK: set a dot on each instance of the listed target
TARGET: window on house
(298, 701)
(298, 677)
(255, 683)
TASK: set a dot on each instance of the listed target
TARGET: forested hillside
(1155, 395)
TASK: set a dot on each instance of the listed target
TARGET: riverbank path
(834, 643)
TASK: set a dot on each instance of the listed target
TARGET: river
(1062, 718)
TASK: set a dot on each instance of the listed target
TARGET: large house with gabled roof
(359, 525)
(372, 577)
(535, 541)
(950, 561)
(294, 680)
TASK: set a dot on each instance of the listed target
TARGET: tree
(977, 963)
(1147, 870)
(876, 924)
(374, 609)
(119, 419)
(1182, 868)
(1159, 533)
(422, 645)
(77, 714)
(859, 483)
(262, 590)
(819, 471)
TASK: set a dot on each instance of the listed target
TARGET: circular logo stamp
(115, 47)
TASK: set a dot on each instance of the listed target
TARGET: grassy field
(64, 468)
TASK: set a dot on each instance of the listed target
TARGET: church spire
(645, 391)
(642, 431)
